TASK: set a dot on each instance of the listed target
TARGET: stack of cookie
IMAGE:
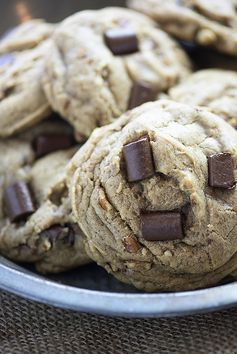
(113, 151)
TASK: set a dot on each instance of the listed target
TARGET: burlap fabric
(27, 327)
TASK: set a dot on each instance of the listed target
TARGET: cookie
(206, 22)
(213, 88)
(155, 195)
(22, 99)
(36, 221)
(105, 62)
(26, 36)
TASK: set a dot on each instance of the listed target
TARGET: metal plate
(91, 289)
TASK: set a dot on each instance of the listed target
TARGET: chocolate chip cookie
(22, 100)
(36, 221)
(213, 88)
(102, 63)
(155, 194)
(206, 22)
(25, 36)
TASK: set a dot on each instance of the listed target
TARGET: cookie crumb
(131, 244)
(206, 37)
(104, 202)
(167, 254)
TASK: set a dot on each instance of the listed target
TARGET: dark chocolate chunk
(221, 171)
(139, 160)
(162, 226)
(121, 41)
(52, 233)
(56, 232)
(19, 202)
(141, 93)
(46, 143)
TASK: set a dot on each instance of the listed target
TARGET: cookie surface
(213, 88)
(103, 62)
(45, 233)
(22, 100)
(206, 22)
(147, 201)
(26, 36)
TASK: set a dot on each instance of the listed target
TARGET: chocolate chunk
(162, 226)
(52, 233)
(56, 232)
(141, 93)
(6, 59)
(121, 41)
(139, 160)
(18, 202)
(221, 171)
(46, 143)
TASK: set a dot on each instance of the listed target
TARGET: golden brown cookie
(36, 220)
(206, 22)
(212, 88)
(27, 35)
(22, 100)
(155, 195)
(102, 63)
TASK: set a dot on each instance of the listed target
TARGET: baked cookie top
(155, 195)
(26, 36)
(22, 99)
(103, 62)
(213, 88)
(206, 22)
(36, 221)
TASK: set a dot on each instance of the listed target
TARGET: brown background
(51, 10)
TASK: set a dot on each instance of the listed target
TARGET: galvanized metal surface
(107, 302)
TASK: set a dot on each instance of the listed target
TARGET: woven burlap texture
(27, 327)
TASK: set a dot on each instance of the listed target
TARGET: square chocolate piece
(46, 143)
(121, 41)
(19, 201)
(162, 226)
(141, 93)
(221, 171)
(139, 160)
